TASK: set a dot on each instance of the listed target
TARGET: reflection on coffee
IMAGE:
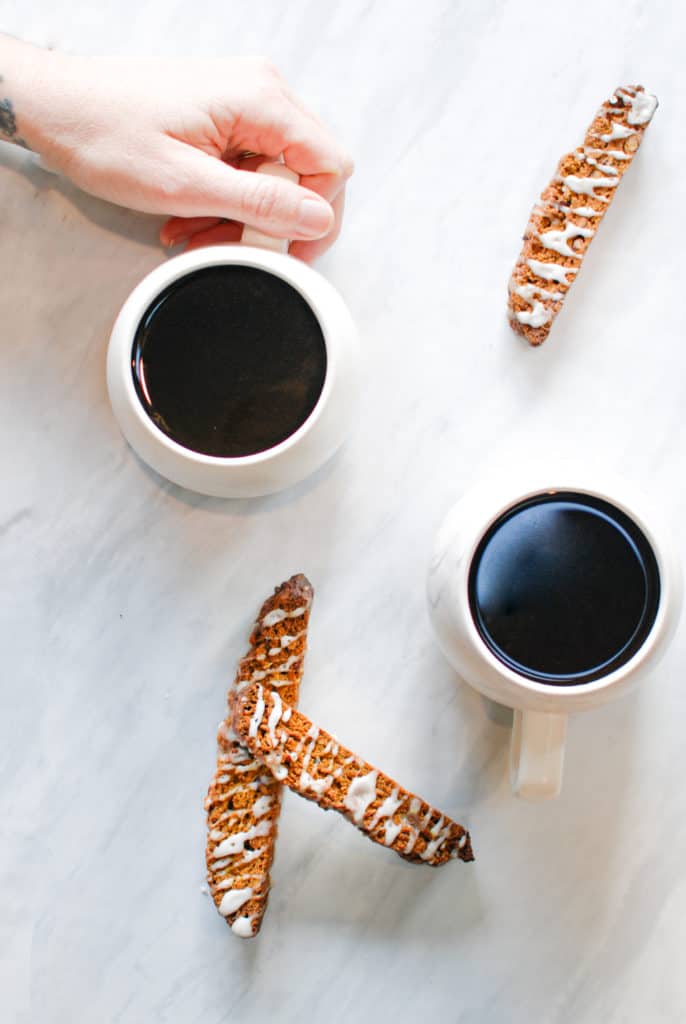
(564, 588)
(229, 361)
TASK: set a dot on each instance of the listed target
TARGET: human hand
(169, 137)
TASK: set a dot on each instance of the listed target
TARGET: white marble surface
(125, 602)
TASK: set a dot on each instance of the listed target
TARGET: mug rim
(620, 671)
(285, 267)
(568, 692)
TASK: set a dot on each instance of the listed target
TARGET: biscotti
(314, 764)
(566, 218)
(244, 798)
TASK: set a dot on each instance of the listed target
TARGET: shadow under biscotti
(327, 873)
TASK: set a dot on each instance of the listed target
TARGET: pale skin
(171, 136)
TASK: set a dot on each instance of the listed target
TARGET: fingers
(201, 231)
(213, 188)
(308, 144)
(310, 251)
(220, 234)
(282, 125)
(180, 229)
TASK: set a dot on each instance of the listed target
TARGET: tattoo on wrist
(8, 122)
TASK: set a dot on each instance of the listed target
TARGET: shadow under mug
(538, 647)
(294, 456)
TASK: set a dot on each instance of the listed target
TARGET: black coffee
(564, 588)
(229, 361)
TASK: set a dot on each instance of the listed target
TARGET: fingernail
(314, 218)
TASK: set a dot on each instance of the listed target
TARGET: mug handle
(251, 236)
(537, 754)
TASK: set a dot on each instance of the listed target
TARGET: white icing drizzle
(318, 786)
(587, 186)
(236, 843)
(618, 131)
(279, 771)
(287, 640)
(274, 617)
(232, 789)
(218, 864)
(285, 717)
(258, 675)
(313, 731)
(433, 846)
(557, 240)
(530, 291)
(409, 846)
(437, 827)
(603, 168)
(392, 830)
(258, 713)
(249, 855)
(242, 927)
(235, 812)
(278, 683)
(234, 900)
(551, 271)
(239, 755)
(618, 154)
(308, 753)
(643, 106)
(584, 211)
(274, 716)
(295, 754)
(361, 793)
(277, 615)
(580, 211)
(415, 805)
(247, 767)
(387, 809)
(226, 733)
(261, 806)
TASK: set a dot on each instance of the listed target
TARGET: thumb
(277, 207)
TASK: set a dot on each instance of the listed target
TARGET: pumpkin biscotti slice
(244, 798)
(565, 219)
(314, 764)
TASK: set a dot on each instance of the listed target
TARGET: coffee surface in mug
(229, 361)
(564, 588)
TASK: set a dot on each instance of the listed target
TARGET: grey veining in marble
(125, 602)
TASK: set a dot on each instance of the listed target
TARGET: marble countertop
(125, 601)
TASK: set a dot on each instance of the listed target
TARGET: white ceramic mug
(299, 454)
(540, 709)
